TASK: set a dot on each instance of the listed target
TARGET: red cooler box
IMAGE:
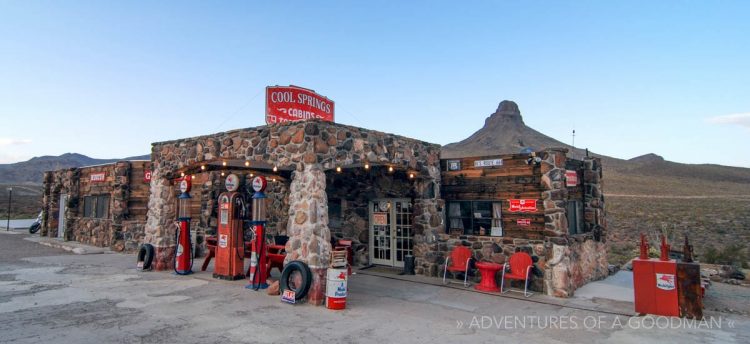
(655, 286)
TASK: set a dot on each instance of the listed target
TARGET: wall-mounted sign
(293, 103)
(380, 219)
(522, 205)
(232, 183)
(523, 222)
(571, 178)
(147, 176)
(488, 163)
(98, 177)
(454, 165)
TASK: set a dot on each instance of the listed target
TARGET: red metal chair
(459, 262)
(520, 269)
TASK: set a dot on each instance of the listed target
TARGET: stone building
(103, 205)
(390, 195)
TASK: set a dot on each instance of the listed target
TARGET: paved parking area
(51, 295)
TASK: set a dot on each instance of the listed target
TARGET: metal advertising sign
(522, 205)
(665, 281)
(488, 163)
(98, 177)
(380, 219)
(288, 296)
(524, 222)
(454, 165)
(571, 178)
(293, 103)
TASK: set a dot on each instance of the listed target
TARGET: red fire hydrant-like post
(258, 258)
(183, 259)
(644, 247)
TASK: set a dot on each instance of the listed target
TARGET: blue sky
(108, 78)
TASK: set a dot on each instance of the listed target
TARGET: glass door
(390, 231)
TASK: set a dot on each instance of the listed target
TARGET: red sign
(571, 178)
(98, 177)
(523, 222)
(522, 205)
(147, 176)
(293, 103)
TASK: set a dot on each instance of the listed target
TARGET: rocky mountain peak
(507, 112)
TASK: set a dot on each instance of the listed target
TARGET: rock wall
(118, 229)
(292, 146)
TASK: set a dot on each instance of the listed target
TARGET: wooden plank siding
(515, 179)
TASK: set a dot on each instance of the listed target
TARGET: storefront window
(473, 217)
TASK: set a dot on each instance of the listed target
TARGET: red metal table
(488, 271)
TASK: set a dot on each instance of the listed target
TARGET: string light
(223, 163)
(367, 166)
(275, 169)
(222, 174)
(203, 167)
(411, 175)
(390, 168)
(182, 174)
(252, 175)
(247, 163)
(338, 169)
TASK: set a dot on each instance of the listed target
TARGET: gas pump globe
(258, 258)
(183, 259)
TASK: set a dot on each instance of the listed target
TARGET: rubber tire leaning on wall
(146, 255)
(301, 291)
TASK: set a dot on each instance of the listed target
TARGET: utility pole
(574, 138)
(10, 201)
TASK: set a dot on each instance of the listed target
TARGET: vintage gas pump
(230, 248)
(183, 259)
(258, 258)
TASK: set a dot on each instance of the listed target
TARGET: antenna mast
(574, 138)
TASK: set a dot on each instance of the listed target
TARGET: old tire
(300, 291)
(146, 255)
(34, 228)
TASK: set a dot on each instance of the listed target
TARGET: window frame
(96, 206)
(472, 219)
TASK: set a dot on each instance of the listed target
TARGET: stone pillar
(46, 202)
(593, 199)
(428, 223)
(120, 197)
(160, 225)
(555, 194)
(309, 236)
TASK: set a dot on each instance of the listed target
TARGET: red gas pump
(183, 259)
(230, 246)
(259, 259)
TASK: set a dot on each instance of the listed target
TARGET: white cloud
(741, 119)
(7, 141)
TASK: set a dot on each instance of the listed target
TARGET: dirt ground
(48, 295)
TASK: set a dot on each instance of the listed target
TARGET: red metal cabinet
(655, 287)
